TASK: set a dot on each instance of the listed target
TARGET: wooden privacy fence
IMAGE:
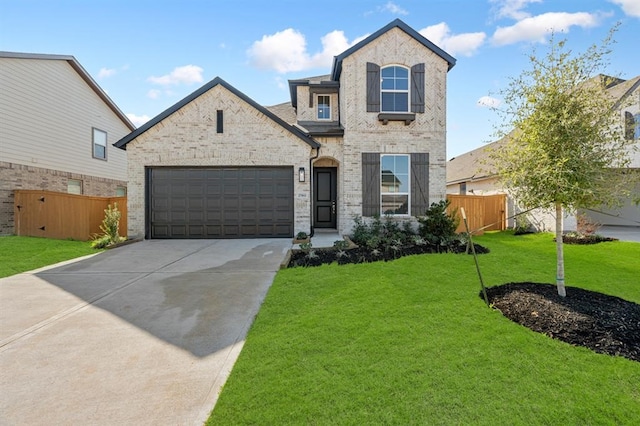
(60, 215)
(481, 210)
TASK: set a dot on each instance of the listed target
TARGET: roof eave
(122, 143)
(397, 23)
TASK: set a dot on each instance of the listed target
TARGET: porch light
(301, 174)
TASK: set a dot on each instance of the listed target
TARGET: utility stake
(475, 256)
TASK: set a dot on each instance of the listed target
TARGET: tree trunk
(559, 252)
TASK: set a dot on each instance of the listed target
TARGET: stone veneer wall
(363, 131)
(18, 176)
(188, 138)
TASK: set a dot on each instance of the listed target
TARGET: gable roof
(81, 72)
(469, 167)
(337, 60)
(122, 143)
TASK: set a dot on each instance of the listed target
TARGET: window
(74, 186)
(636, 131)
(219, 121)
(99, 144)
(394, 184)
(324, 107)
(121, 191)
(463, 188)
(394, 89)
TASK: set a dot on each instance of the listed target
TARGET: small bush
(109, 227)
(437, 226)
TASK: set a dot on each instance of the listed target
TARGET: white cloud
(138, 120)
(464, 44)
(286, 51)
(154, 93)
(513, 8)
(106, 72)
(538, 27)
(187, 74)
(629, 7)
(393, 8)
(488, 102)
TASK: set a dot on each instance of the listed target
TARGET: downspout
(311, 229)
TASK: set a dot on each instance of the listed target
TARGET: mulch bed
(317, 257)
(586, 239)
(605, 324)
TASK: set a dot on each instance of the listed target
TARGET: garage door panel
(225, 202)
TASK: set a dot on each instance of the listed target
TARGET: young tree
(568, 146)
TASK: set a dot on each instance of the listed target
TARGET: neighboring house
(471, 174)
(56, 130)
(366, 140)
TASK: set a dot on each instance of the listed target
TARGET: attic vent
(219, 121)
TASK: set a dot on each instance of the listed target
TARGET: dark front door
(324, 197)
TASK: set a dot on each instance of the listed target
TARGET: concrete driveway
(142, 334)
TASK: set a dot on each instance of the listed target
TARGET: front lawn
(410, 342)
(20, 254)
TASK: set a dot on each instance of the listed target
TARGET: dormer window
(394, 89)
(324, 107)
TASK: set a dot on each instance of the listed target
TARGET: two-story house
(57, 128)
(368, 139)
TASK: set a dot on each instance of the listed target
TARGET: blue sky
(147, 55)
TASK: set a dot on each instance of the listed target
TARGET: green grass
(410, 342)
(20, 254)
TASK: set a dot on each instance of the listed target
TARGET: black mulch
(317, 257)
(586, 239)
(605, 324)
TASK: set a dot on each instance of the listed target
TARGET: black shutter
(419, 183)
(370, 184)
(417, 88)
(373, 87)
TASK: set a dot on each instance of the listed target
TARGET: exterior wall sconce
(301, 174)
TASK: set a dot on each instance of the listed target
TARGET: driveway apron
(143, 334)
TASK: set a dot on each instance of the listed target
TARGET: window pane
(74, 186)
(387, 102)
(99, 137)
(402, 164)
(402, 84)
(401, 72)
(99, 151)
(402, 102)
(395, 204)
(388, 72)
(388, 162)
(387, 84)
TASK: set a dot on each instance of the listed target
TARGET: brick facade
(188, 137)
(18, 176)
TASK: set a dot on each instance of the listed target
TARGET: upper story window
(99, 144)
(394, 184)
(631, 126)
(394, 89)
(324, 107)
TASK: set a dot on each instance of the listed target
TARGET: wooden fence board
(482, 211)
(59, 215)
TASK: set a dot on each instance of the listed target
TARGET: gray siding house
(368, 139)
(56, 131)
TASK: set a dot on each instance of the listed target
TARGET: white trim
(318, 107)
(407, 193)
(407, 91)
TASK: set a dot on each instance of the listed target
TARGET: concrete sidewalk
(142, 334)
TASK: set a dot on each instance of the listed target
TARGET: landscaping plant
(109, 227)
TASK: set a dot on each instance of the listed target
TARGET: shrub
(437, 226)
(109, 227)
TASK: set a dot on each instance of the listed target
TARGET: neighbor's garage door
(224, 202)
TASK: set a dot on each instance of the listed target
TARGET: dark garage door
(221, 202)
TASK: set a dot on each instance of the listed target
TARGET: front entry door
(324, 197)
